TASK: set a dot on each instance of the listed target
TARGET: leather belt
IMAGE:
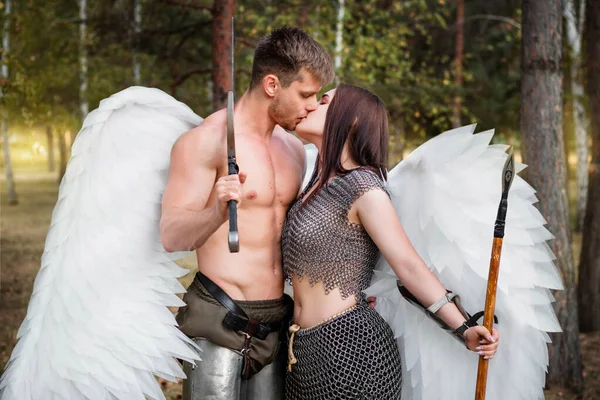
(236, 318)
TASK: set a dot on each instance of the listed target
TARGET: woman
(339, 346)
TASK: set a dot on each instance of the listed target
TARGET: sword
(508, 174)
(232, 167)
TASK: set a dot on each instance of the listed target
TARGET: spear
(508, 173)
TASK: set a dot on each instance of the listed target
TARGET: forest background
(528, 69)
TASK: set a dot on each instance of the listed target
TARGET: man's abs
(255, 272)
(274, 175)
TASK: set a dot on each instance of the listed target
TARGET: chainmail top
(320, 242)
(351, 357)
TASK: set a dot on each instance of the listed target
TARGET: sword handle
(233, 237)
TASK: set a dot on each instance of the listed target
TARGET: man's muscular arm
(187, 221)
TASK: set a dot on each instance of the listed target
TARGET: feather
(310, 151)
(97, 325)
(446, 194)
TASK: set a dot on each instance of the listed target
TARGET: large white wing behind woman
(98, 326)
(446, 194)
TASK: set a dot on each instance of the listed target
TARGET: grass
(22, 234)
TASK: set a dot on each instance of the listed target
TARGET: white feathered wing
(446, 194)
(98, 326)
(310, 153)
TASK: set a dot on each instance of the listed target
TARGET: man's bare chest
(273, 174)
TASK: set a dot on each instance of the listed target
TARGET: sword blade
(230, 104)
(230, 128)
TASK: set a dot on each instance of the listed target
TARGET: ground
(23, 231)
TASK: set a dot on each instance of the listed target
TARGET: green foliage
(492, 90)
(403, 50)
(392, 50)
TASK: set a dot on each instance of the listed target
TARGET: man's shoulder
(210, 132)
(216, 118)
(288, 139)
(207, 139)
(214, 125)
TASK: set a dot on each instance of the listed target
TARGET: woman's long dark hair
(360, 117)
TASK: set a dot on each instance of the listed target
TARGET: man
(241, 353)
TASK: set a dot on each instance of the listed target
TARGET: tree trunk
(460, 29)
(543, 151)
(63, 157)
(10, 180)
(137, 28)
(578, 111)
(209, 92)
(50, 144)
(339, 40)
(83, 72)
(303, 15)
(221, 52)
(589, 268)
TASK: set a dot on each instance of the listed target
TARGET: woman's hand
(480, 341)
(372, 301)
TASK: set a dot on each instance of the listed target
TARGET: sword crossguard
(233, 168)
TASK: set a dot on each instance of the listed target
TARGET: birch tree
(10, 180)
(458, 59)
(83, 72)
(50, 145)
(574, 27)
(137, 29)
(339, 40)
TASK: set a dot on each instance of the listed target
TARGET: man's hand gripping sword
(234, 239)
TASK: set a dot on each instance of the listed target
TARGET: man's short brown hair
(285, 52)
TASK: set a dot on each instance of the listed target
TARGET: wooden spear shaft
(488, 316)
(490, 297)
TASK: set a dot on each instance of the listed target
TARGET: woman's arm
(378, 216)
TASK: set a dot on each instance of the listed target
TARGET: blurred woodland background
(530, 69)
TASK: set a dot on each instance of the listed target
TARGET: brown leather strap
(236, 318)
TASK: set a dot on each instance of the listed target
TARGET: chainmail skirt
(352, 356)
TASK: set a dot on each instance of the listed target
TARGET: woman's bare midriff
(312, 306)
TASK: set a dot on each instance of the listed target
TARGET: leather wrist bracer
(458, 333)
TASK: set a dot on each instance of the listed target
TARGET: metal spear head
(508, 172)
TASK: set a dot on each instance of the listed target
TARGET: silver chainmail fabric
(351, 357)
(318, 241)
